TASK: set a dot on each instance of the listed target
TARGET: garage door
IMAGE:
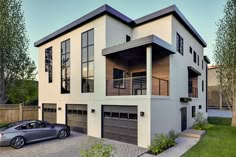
(76, 117)
(120, 123)
(50, 113)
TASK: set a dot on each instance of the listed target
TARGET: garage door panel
(77, 117)
(49, 113)
(118, 125)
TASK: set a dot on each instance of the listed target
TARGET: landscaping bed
(219, 141)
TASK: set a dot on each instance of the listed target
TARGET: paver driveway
(69, 147)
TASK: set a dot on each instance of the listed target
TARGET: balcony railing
(193, 92)
(136, 86)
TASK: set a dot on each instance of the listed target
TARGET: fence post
(20, 112)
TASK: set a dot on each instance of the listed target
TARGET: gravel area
(69, 147)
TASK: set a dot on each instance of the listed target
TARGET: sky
(43, 17)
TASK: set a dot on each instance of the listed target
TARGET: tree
(225, 55)
(15, 63)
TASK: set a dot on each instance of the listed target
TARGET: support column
(149, 69)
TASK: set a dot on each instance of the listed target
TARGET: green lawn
(219, 141)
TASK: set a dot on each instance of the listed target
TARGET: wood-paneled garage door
(50, 113)
(120, 123)
(76, 117)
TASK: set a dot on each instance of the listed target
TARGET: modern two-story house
(112, 77)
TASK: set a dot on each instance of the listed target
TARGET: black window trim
(88, 61)
(66, 53)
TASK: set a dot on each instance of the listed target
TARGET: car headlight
(1, 136)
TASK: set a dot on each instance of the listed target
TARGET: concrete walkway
(219, 113)
(185, 141)
(182, 146)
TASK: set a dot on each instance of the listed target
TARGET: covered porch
(138, 67)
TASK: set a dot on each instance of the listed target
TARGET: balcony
(136, 86)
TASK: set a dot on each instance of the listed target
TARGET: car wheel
(18, 142)
(62, 134)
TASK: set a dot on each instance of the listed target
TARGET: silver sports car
(17, 134)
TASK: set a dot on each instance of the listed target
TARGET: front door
(183, 118)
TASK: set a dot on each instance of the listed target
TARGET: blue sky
(43, 17)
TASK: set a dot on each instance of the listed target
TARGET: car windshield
(9, 125)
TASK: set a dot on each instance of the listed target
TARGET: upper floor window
(194, 57)
(128, 38)
(190, 50)
(197, 59)
(118, 77)
(48, 63)
(202, 86)
(87, 61)
(179, 44)
(65, 66)
(202, 65)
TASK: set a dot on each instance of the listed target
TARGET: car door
(47, 130)
(30, 131)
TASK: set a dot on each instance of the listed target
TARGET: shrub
(161, 142)
(200, 122)
(97, 148)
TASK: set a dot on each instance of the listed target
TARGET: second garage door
(77, 117)
(120, 123)
(50, 113)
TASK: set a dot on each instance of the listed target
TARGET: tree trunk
(234, 111)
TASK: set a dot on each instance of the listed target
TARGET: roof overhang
(207, 60)
(149, 40)
(190, 68)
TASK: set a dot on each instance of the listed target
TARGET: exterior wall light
(92, 110)
(59, 108)
(142, 114)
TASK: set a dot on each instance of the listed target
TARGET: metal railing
(136, 86)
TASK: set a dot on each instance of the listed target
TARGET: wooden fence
(16, 112)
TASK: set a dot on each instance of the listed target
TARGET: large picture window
(48, 63)
(65, 66)
(118, 77)
(87, 61)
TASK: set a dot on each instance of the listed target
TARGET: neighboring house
(113, 77)
(215, 97)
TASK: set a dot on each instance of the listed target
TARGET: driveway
(69, 147)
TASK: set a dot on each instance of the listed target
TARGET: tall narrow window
(65, 66)
(194, 57)
(118, 76)
(87, 61)
(197, 59)
(127, 38)
(202, 65)
(48, 63)
(190, 50)
(202, 86)
(179, 44)
(193, 111)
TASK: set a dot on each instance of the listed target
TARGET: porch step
(193, 133)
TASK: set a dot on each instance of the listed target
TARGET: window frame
(88, 77)
(67, 79)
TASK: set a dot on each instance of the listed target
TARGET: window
(127, 38)
(133, 116)
(193, 111)
(107, 114)
(115, 115)
(200, 107)
(197, 59)
(87, 61)
(48, 63)
(202, 85)
(190, 50)
(124, 115)
(194, 57)
(179, 44)
(118, 77)
(65, 66)
(202, 65)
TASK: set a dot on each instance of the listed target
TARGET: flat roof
(106, 9)
(148, 40)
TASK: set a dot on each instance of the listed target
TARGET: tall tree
(15, 63)
(225, 55)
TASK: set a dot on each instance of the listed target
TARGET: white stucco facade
(162, 113)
